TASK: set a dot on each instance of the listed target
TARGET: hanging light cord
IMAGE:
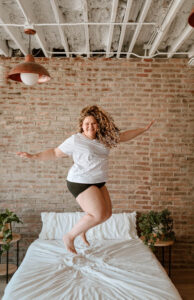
(29, 47)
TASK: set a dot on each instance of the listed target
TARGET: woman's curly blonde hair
(108, 132)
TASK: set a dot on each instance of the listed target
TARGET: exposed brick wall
(153, 171)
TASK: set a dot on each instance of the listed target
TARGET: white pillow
(118, 226)
(55, 225)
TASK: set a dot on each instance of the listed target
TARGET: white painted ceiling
(109, 28)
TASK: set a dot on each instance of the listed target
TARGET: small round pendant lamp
(29, 72)
(191, 18)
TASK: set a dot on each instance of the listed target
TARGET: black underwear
(77, 188)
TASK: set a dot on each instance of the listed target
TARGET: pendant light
(191, 18)
(29, 72)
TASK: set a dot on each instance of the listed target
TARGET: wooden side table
(164, 244)
(6, 269)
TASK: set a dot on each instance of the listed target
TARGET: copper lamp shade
(29, 66)
(29, 72)
(191, 18)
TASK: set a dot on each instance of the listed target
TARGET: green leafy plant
(156, 226)
(6, 218)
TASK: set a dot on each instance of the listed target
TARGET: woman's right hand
(25, 154)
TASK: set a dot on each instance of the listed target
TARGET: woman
(87, 177)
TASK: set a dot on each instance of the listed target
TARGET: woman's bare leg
(107, 200)
(96, 204)
(84, 238)
(108, 209)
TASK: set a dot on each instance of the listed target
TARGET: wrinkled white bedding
(107, 270)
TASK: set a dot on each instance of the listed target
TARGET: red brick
(153, 171)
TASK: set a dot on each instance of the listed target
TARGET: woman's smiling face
(90, 127)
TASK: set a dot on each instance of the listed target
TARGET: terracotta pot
(7, 226)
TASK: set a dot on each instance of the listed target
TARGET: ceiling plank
(85, 14)
(165, 25)
(111, 28)
(30, 19)
(123, 29)
(191, 51)
(141, 18)
(4, 48)
(12, 32)
(59, 19)
(178, 42)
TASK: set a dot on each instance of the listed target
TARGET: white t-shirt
(90, 159)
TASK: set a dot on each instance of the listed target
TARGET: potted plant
(6, 218)
(155, 226)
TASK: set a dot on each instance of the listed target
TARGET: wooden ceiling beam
(180, 40)
(14, 33)
(174, 8)
(111, 27)
(123, 27)
(59, 19)
(141, 19)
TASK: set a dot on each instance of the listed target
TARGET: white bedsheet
(107, 270)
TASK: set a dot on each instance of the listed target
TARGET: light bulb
(29, 78)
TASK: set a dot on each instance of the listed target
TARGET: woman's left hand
(149, 125)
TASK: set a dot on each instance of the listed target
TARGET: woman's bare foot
(69, 243)
(83, 236)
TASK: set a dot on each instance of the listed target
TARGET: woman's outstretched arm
(130, 134)
(50, 154)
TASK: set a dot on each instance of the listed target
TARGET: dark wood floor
(184, 281)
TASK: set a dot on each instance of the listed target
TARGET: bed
(116, 265)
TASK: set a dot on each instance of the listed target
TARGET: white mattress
(107, 270)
